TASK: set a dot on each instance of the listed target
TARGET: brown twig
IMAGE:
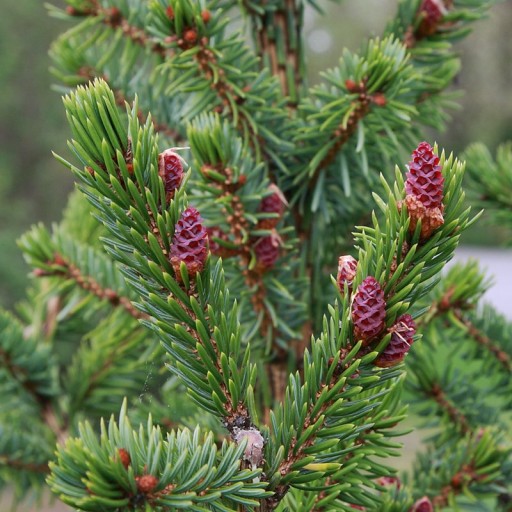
(113, 17)
(5, 460)
(484, 340)
(453, 413)
(70, 271)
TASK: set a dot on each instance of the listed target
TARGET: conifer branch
(465, 477)
(449, 408)
(187, 297)
(483, 340)
(361, 108)
(68, 270)
(113, 18)
(224, 323)
(21, 375)
(23, 466)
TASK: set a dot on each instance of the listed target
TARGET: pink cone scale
(368, 310)
(190, 243)
(347, 267)
(424, 179)
(402, 335)
(170, 169)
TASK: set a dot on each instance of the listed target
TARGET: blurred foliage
(33, 187)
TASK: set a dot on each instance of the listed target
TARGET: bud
(368, 310)
(190, 36)
(254, 448)
(347, 267)
(422, 505)
(402, 335)
(206, 16)
(146, 483)
(124, 457)
(170, 169)
(190, 243)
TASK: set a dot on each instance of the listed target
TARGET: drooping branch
(458, 418)
(113, 18)
(20, 465)
(68, 270)
(484, 341)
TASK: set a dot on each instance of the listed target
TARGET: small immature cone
(274, 203)
(422, 505)
(267, 251)
(170, 169)
(402, 335)
(189, 244)
(368, 310)
(347, 267)
(424, 188)
(431, 11)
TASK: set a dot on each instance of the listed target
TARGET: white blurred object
(320, 40)
(497, 265)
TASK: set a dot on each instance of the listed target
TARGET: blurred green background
(34, 187)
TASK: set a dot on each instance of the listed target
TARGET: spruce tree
(244, 300)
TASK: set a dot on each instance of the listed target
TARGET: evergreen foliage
(286, 386)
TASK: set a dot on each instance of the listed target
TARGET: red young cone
(274, 203)
(190, 243)
(431, 11)
(347, 267)
(401, 340)
(424, 188)
(424, 179)
(368, 310)
(267, 251)
(422, 505)
(170, 168)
